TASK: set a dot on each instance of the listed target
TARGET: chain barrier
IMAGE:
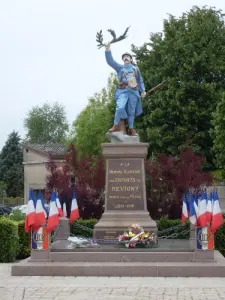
(162, 234)
(174, 235)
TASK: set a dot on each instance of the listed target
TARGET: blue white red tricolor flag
(41, 214)
(202, 218)
(217, 216)
(209, 208)
(196, 201)
(192, 208)
(30, 214)
(74, 212)
(203, 212)
(184, 209)
(53, 217)
(58, 203)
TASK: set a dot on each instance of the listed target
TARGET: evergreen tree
(218, 133)
(11, 166)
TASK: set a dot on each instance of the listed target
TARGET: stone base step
(139, 269)
(122, 256)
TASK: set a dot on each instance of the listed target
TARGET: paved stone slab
(115, 288)
(125, 293)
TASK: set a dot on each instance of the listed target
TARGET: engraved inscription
(110, 235)
(125, 186)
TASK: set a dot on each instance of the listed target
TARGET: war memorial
(125, 207)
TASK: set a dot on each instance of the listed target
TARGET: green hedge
(220, 239)
(17, 216)
(9, 240)
(83, 227)
(24, 242)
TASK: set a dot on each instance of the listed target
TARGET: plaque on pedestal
(125, 192)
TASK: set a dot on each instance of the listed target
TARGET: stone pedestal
(192, 238)
(39, 255)
(62, 233)
(125, 191)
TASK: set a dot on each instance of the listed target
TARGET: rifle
(155, 88)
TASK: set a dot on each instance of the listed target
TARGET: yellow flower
(130, 234)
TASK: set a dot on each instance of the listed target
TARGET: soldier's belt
(123, 85)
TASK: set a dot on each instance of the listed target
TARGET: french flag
(53, 218)
(30, 214)
(59, 206)
(41, 213)
(74, 212)
(184, 210)
(196, 204)
(202, 217)
(64, 206)
(193, 215)
(217, 216)
(209, 208)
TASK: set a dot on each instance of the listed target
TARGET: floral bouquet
(136, 237)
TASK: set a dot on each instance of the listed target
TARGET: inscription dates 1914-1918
(125, 184)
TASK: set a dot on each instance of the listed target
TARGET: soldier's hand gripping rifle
(99, 37)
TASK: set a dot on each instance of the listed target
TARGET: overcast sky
(48, 50)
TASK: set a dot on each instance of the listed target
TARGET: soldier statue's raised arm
(127, 94)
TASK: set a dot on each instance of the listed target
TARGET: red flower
(123, 237)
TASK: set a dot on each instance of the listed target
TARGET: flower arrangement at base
(136, 237)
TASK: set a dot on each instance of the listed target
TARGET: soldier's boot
(132, 132)
(115, 128)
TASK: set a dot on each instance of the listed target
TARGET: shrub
(85, 175)
(83, 227)
(9, 245)
(168, 177)
(24, 242)
(17, 215)
(220, 239)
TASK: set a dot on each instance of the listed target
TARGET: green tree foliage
(11, 166)
(190, 55)
(218, 133)
(3, 187)
(46, 124)
(90, 127)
